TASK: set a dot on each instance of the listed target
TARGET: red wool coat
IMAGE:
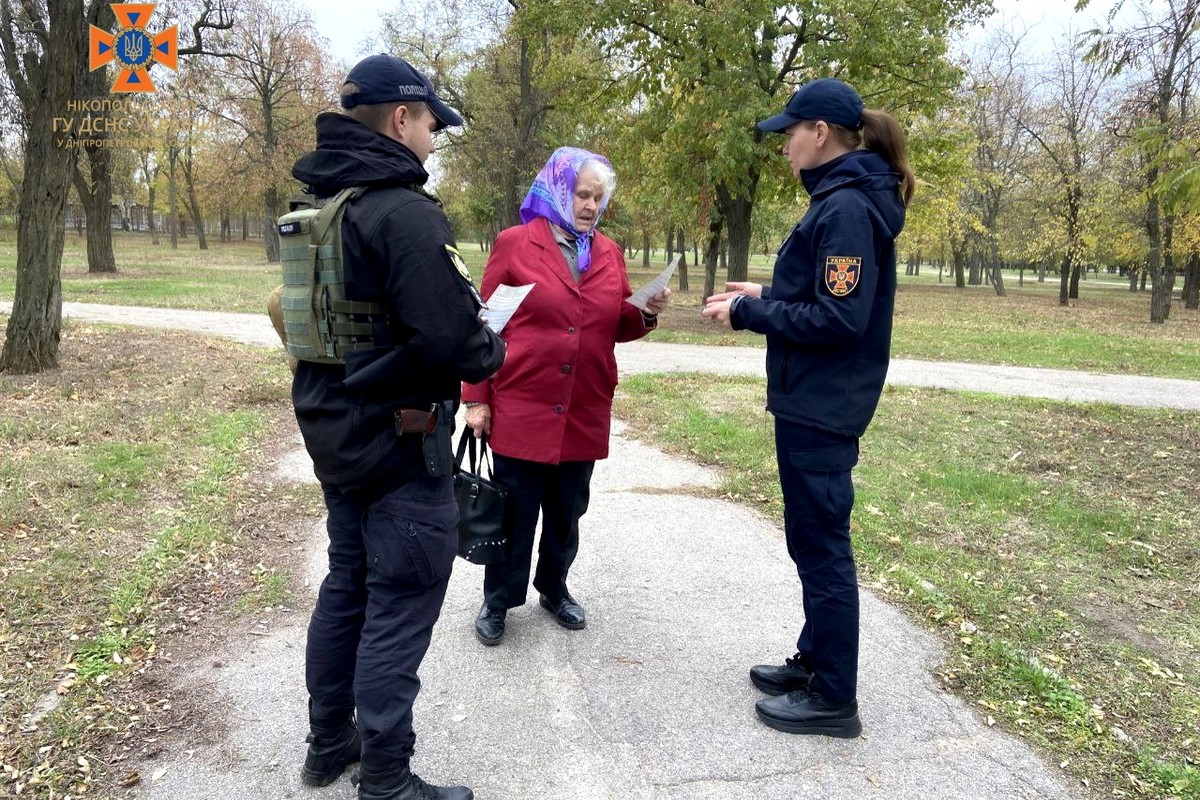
(552, 399)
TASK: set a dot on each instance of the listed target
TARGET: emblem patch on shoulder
(457, 260)
(841, 274)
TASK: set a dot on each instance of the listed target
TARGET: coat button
(559, 410)
(566, 369)
(571, 329)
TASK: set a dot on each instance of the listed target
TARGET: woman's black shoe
(808, 712)
(566, 611)
(489, 625)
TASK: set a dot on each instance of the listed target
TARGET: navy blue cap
(388, 79)
(825, 98)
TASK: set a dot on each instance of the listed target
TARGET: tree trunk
(997, 277)
(646, 250)
(670, 249)
(1073, 289)
(172, 197)
(96, 192)
(1159, 300)
(737, 213)
(958, 251)
(1064, 280)
(48, 83)
(150, 210)
(245, 224)
(975, 276)
(711, 252)
(682, 268)
(1191, 282)
(95, 195)
(193, 206)
(270, 232)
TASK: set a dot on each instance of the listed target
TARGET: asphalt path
(651, 701)
(650, 357)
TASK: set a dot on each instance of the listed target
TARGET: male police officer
(377, 428)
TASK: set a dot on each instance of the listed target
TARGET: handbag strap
(466, 447)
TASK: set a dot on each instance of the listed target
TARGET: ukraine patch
(457, 260)
(841, 274)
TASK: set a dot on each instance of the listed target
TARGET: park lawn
(1106, 330)
(1053, 548)
(134, 525)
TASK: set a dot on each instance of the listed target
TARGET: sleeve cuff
(734, 317)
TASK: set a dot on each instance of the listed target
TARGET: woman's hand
(659, 302)
(717, 307)
(479, 419)
(734, 288)
(718, 310)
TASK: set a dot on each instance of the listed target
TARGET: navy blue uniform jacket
(395, 241)
(827, 314)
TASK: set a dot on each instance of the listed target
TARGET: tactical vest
(319, 323)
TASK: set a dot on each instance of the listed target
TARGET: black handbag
(481, 534)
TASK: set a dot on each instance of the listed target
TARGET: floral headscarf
(552, 196)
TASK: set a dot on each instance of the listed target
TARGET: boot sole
(571, 626)
(840, 729)
(486, 641)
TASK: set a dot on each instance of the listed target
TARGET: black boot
(401, 783)
(330, 751)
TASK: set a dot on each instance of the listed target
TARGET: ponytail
(884, 135)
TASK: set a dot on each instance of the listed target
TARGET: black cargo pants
(389, 565)
(814, 473)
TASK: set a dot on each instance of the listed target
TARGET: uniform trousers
(814, 473)
(390, 559)
(560, 493)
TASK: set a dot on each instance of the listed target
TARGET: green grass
(1106, 330)
(1054, 548)
(127, 515)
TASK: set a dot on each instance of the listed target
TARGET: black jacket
(397, 250)
(827, 315)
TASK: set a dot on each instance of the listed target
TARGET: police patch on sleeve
(457, 260)
(841, 274)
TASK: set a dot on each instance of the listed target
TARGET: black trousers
(818, 494)
(560, 493)
(389, 566)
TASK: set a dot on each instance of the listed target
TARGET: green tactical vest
(319, 322)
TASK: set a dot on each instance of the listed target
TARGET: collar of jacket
(542, 235)
(351, 154)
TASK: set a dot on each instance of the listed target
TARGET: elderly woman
(547, 411)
